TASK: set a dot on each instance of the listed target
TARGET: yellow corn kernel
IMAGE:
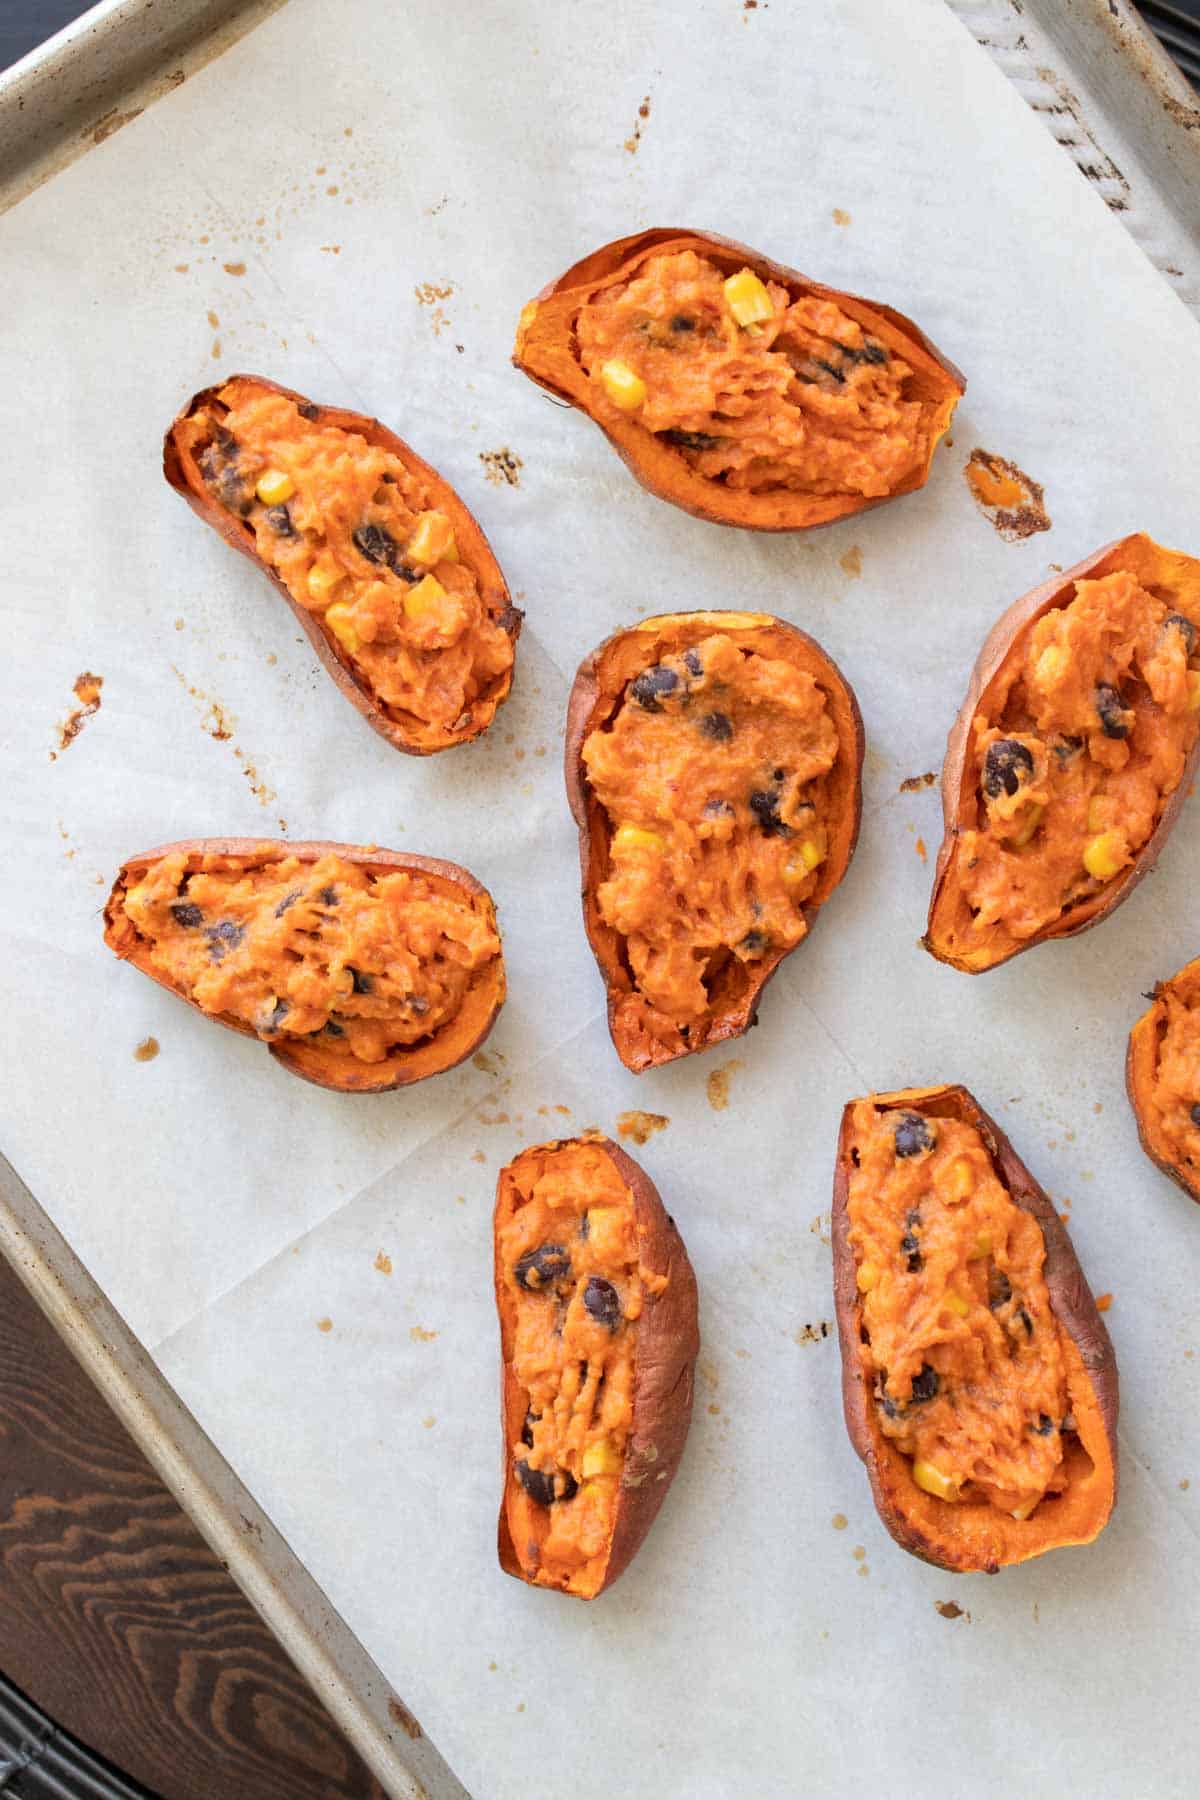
(1194, 690)
(982, 1247)
(324, 579)
(928, 1476)
(605, 1229)
(602, 1458)
(1051, 664)
(956, 1304)
(1106, 855)
(425, 598)
(1024, 825)
(867, 1277)
(636, 837)
(623, 385)
(748, 299)
(1096, 811)
(432, 540)
(274, 486)
(958, 1183)
(340, 621)
(1026, 1507)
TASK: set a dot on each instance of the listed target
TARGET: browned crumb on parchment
(635, 138)
(428, 293)
(234, 268)
(383, 1263)
(812, 1334)
(325, 1325)
(147, 1050)
(912, 784)
(501, 467)
(717, 1085)
(419, 1335)
(641, 1126)
(87, 693)
(950, 1609)
(839, 217)
(851, 561)
(1013, 501)
(840, 1521)
(920, 849)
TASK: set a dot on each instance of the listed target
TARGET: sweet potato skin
(403, 1068)
(668, 1345)
(588, 704)
(1141, 1061)
(1156, 567)
(911, 1517)
(181, 473)
(543, 352)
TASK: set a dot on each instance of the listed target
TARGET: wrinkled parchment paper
(357, 200)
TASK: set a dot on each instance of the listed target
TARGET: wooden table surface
(119, 1621)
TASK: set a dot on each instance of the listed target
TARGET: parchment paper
(362, 197)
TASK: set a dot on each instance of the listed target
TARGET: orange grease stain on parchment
(641, 1126)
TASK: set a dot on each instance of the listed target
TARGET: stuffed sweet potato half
(736, 388)
(1071, 756)
(598, 1341)
(390, 576)
(1162, 1075)
(978, 1380)
(713, 767)
(360, 970)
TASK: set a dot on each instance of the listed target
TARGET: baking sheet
(230, 1212)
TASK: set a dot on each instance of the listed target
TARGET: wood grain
(117, 1618)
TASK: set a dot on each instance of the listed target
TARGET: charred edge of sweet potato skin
(124, 941)
(181, 475)
(666, 482)
(1141, 1061)
(959, 786)
(668, 1345)
(1071, 1301)
(584, 709)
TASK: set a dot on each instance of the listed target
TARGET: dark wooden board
(116, 1617)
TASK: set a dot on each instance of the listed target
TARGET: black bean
(280, 521)
(1185, 627)
(362, 983)
(778, 774)
(1044, 1426)
(222, 937)
(649, 687)
(925, 1384)
(999, 1289)
(376, 544)
(545, 1486)
(219, 467)
(764, 804)
(691, 440)
(754, 943)
(718, 726)
(531, 1419)
(692, 662)
(602, 1301)
(275, 1017)
(1068, 747)
(333, 1029)
(681, 322)
(186, 912)
(831, 369)
(719, 809)
(288, 900)
(911, 1247)
(1026, 1321)
(1111, 709)
(328, 896)
(913, 1134)
(1006, 765)
(873, 353)
(1196, 1114)
(891, 1410)
(542, 1268)
(307, 410)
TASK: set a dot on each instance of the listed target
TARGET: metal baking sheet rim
(56, 104)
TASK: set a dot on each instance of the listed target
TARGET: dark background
(24, 23)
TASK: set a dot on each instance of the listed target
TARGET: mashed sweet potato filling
(296, 949)
(712, 773)
(1088, 737)
(1175, 1095)
(797, 396)
(358, 542)
(961, 1347)
(569, 1259)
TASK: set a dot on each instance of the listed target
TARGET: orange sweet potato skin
(667, 1347)
(544, 352)
(592, 699)
(444, 1051)
(182, 474)
(1156, 567)
(974, 1539)
(1141, 1062)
